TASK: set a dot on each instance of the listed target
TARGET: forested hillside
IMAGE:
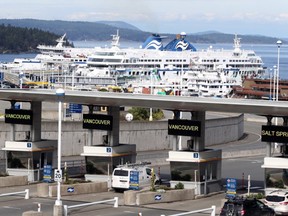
(102, 30)
(15, 39)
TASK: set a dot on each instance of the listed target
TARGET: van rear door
(120, 179)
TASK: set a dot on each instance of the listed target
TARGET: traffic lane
(240, 168)
(15, 206)
(231, 168)
(108, 210)
(193, 205)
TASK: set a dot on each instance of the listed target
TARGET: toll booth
(276, 161)
(26, 158)
(199, 170)
(102, 158)
(194, 166)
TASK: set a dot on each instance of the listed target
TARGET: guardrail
(115, 200)
(213, 213)
(15, 193)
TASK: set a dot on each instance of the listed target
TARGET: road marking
(130, 212)
(10, 207)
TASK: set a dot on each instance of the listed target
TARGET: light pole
(274, 82)
(279, 43)
(60, 94)
(151, 93)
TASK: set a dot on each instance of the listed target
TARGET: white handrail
(213, 213)
(115, 200)
(20, 192)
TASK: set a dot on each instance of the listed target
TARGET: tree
(140, 113)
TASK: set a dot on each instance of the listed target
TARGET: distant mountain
(102, 31)
(120, 24)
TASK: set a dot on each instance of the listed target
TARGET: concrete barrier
(43, 189)
(149, 197)
(32, 213)
(7, 181)
(130, 197)
(80, 188)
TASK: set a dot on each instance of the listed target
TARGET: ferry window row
(238, 60)
(175, 60)
(149, 60)
(211, 60)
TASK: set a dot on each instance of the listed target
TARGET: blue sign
(52, 80)
(47, 173)
(70, 189)
(75, 108)
(1, 76)
(195, 155)
(157, 197)
(231, 185)
(108, 149)
(17, 106)
(134, 180)
(29, 145)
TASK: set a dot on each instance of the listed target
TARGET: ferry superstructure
(178, 55)
(61, 54)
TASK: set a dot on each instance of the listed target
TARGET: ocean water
(268, 53)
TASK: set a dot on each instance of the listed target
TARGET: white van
(133, 176)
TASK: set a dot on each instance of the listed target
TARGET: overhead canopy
(260, 107)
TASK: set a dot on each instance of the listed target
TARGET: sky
(253, 17)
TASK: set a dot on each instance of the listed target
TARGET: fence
(15, 193)
(115, 200)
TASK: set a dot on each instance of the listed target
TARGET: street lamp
(21, 75)
(274, 82)
(151, 93)
(279, 43)
(60, 94)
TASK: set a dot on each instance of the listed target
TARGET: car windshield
(272, 198)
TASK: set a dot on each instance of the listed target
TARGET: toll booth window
(95, 165)
(276, 178)
(184, 171)
(18, 159)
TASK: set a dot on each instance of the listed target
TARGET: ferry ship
(178, 55)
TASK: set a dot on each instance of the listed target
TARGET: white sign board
(58, 175)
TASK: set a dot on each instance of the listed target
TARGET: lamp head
(60, 92)
(279, 43)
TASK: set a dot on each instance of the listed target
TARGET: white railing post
(116, 202)
(39, 207)
(213, 213)
(65, 207)
(27, 194)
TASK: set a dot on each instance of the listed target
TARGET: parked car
(7, 84)
(278, 200)
(245, 207)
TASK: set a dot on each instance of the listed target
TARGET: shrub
(179, 185)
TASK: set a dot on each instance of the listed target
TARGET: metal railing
(15, 193)
(213, 213)
(115, 200)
